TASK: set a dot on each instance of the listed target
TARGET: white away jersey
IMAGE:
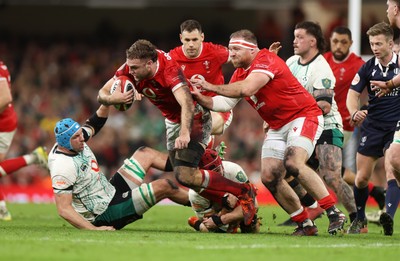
(81, 175)
(317, 74)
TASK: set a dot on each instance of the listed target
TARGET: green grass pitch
(38, 233)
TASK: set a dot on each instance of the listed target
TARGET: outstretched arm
(244, 88)
(94, 124)
(67, 212)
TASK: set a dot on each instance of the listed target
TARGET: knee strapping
(133, 168)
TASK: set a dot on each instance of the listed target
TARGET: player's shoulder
(292, 59)
(213, 45)
(328, 55)
(320, 60)
(354, 58)
(369, 64)
(176, 52)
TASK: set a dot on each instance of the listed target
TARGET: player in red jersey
(295, 121)
(188, 124)
(8, 127)
(204, 60)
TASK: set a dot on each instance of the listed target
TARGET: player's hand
(265, 127)
(380, 88)
(275, 47)
(182, 141)
(109, 228)
(201, 83)
(209, 223)
(137, 96)
(358, 117)
(117, 97)
(195, 92)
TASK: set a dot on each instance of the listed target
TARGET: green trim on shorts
(337, 138)
(332, 136)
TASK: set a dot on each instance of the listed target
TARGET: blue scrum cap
(64, 130)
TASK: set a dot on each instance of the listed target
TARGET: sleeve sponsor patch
(327, 83)
(356, 79)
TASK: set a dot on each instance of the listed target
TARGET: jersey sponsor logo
(327, 83)
(60, 183)
(356, 79)
(95, 166)
(294, 129)
(149, 93)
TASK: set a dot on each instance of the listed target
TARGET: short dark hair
(142, 50)
(315, 30)
(342, 30)
(190, 25)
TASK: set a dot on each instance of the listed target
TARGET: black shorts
(332, 137)
(375, 137)
(120, 211)
(189, 157)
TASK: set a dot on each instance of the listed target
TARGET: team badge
(327, 83)
(206, 65)
(363, 140)
(240, 176)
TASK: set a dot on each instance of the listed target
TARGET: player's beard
(340, 56)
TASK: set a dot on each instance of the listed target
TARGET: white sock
(314, 205)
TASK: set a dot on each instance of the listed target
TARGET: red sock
(370, 187)
(299, 218)
(8, 166)
(213, 195)
(217, 182)
(326, 202)
(2, 197)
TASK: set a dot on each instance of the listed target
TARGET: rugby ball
(125, 84)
